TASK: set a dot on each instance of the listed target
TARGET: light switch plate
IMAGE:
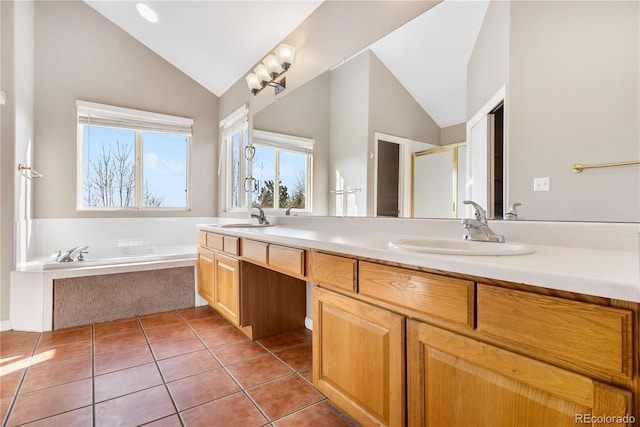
(541, 184)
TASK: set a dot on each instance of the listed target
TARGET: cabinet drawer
(231, 245)
(423, 294)
(202, 238)
(287, 260)
(254, 251)
(334, 271)
(583, 334)
(215, 241)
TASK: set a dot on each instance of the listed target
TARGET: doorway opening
(498, 161)
(388, 179)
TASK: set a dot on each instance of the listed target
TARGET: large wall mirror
(566, 90)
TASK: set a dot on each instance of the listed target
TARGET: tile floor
(180, 368)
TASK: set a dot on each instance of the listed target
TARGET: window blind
(90, 113)
(287, 142)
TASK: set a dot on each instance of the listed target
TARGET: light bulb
(273, 65)
(262, 73)
(253, 81)
(285, 53)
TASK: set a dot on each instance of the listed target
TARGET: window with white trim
(132, 159)
(234, 139)
(282, 168)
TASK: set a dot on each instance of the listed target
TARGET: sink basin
(461, 247)
(241, 225)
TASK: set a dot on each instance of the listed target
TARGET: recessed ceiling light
(147, 13)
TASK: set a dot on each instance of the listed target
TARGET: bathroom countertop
(598, 272)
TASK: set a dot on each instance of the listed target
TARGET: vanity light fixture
(147, 13)
(271, 69)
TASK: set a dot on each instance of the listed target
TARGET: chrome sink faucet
(477, 227)
(262, 219)
(74, 254)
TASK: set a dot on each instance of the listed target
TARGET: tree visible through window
(124, 166)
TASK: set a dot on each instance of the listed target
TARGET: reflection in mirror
(571, 95)
(439, 177)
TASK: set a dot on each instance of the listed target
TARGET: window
(281, 168)
(130, 159)
(235, 138)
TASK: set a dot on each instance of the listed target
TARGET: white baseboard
(5, 325)
(308, 323)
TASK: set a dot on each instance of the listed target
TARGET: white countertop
(608, 273)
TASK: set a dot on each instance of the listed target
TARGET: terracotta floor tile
(135, 409)
(119, 342)
(203, 326)
(116, 360)
(39, 377)
(167, 332)
(126, 381)
(16, 362)
(222, 335)
(62, 353)
(252, 372)
(298, 357)
(201, 312)
(13, 342)
(9, 383)
(188, 364)
(201, 388)
(64, 336)
(51, 401)
(307, 374)
(305, 333)
(5, 402)
(115, 327)
(151, 321)
(172, 421)
(319, 415)
(82, 417)
(282, 341)
(176, 347)
(284, 396)
(238, 351)
(234, 410)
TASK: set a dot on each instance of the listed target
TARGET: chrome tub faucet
(71, 255)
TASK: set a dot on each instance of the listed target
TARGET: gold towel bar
(577, 168)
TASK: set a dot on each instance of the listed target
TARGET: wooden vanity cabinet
(219, 273)
(358, 358)
(263, 296)
(206, 274)
(477, 354)
(226, 294)
(459, 381)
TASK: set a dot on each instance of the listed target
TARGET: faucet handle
(480, 214)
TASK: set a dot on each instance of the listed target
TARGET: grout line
(155, 361)
(93, 373)
(22, 378)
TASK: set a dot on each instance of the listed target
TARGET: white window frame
(237, 121)
(294, 144)
(140, 121)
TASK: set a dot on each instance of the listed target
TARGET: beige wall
(574, 97)
(16, 46)
(79, 54)
(294, 114)
(335, 31)
(488, 66)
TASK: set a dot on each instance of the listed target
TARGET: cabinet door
(205, 274)
(358, 358)
(227, 287)
(454, 380)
